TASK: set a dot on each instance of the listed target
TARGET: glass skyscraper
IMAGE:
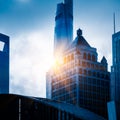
(114, 103)
(63, 26)
(63, 34)
(4, 63)
(79, 79)
(115, 69)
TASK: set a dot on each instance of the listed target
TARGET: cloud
(31, 47)
(31, 40)
(30, 59)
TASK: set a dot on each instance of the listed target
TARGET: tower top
(79, 32)
(68, 1)
(114, 22)
(69, 4)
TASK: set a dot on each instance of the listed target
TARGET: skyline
(27, 25)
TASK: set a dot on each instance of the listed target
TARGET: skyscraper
(79, 79)
(4, 63)
(115, 69)
(63, 26)
(63, 34)
(114, 104)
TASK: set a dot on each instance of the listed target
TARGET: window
(84, 56)
(85, 72)
(92, 65)
(2, 46)
(83, 64)
(97, 67)
(89, 56)
(72, 57)
(89, 73)
(64, 59)
(88, 64)
(93, 58)
(80, 71)
(94, 74)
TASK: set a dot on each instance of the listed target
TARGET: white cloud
(30, 59)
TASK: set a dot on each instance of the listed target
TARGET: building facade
(114, 104)
(63, 34)
(115, 69)
(79, 78)
(4, 63)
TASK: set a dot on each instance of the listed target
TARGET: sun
(53, 62)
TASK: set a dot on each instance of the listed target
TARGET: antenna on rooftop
(114, 22)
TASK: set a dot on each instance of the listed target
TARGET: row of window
(64, 77)
(64, 89)
(68, 70)
(88, 56)
(86, 74)
(94, 96)
(68, 58)
(84, 64)
(94, 81)
(82, 82)
(101, 75)
(90, 103)
(94, 89)
(95, 106)
(65, 97)
(90, 65)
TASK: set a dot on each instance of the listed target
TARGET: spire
(104, 61)
(79, 32)
(114, 22)
(80, 40)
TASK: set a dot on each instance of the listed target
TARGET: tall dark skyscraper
(63, 26)
(4, 63)
(63, 34)
(115, 69)
(114, 104)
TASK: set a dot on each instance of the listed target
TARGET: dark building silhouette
(4, 64)
(18, 107)
(63, 26)
(80, 79)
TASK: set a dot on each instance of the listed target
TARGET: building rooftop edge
(84, 114)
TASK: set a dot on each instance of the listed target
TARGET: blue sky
(30, 25)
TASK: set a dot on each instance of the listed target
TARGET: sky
(30, 26)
